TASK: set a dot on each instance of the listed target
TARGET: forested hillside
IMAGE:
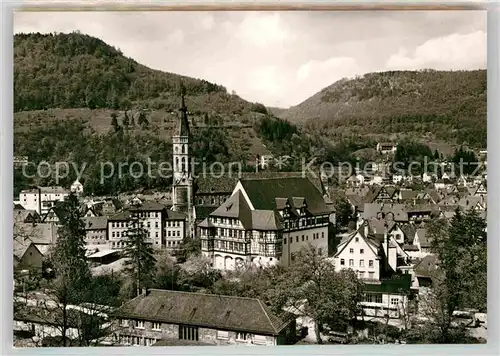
(78, 99)
(446, 106)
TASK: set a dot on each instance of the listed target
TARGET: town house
(174, 232)
(378, 260)
(157, 315)
(266, 221)
(42, 199)
(96, 229)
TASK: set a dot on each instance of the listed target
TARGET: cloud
(262, 29)
(316, 75)
(279, 58)
(207, 22)
(452, 52)
(175, 39)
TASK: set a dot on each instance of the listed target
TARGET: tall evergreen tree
(72, 273)
(139, 253)
(461, 279)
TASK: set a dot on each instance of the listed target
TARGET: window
(356, 239)
(124, 322)
(259, 340)
(284, 241)
(222, 334)
(242, 336)
(322, 235)
(139, 324)
(320, 251)
(302, 238)
(342, 262)
(351, 263)
(361, 251)
(370, 263)
(378, 298)
(296, 239)
(394, 301)
(156, 326)
(371, 275)
(188, 333)
(361, 263)
(351, 250)
(361, 274)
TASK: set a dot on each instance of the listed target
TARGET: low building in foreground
(170, 317)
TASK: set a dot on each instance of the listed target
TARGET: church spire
(183, 119)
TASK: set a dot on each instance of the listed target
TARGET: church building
(182, 178)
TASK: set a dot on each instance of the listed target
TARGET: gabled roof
(204, 310)
(426, 266)
(409, 231)
(266, 220)
(407, 194)
(121, 216)
(95, 222)
(202, 212)
(20, 246)
(373, 240)
(356, 201)
(40, 233)
(174, 215)
(148, 206)
(398, 210)
(422, 238)
(205, 184)
(23, 215)
(236, 207)
(263, 193)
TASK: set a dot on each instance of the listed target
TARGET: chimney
(366, 229)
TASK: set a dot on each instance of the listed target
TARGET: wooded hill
(441, 106)
(78, 99)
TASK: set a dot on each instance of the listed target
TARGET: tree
(140, 263)
(114, 121)
(312, 287)
(460, 280)
(72, 274)
(343, 211)
(126, 120)
(197, 273)
(167, 273)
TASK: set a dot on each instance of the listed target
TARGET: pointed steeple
(183, 119)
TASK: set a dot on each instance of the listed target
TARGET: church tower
(182, 184)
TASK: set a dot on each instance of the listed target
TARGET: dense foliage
(460, 282)
(465, 161)
(75, 70)
(92, 155)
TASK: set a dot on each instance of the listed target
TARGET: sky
(280, 58)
